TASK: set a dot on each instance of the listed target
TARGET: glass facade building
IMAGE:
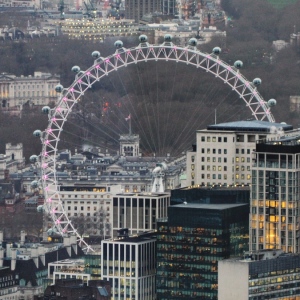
(191, 242)
(128, 263)
(275, 196)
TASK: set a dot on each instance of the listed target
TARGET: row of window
(213, 139)
(83, 196)
(225, 177)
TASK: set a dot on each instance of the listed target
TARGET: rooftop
(207, 206)
(254, 125)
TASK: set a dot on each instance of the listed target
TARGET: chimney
(34, 256)
(23, 234)
(13, 258)
(1, 257)
(8, 250)
(41, 253)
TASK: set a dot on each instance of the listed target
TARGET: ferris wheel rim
(102, 67)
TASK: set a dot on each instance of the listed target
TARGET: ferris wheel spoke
(65, 110)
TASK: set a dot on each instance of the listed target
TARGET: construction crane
(61, 8)
(91, 11)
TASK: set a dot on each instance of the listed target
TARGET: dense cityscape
(149, 150)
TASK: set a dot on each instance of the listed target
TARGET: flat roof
(254, 125)
(208, 206)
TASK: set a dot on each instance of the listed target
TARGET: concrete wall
(232, 280)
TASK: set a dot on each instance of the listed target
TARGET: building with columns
(38, 89)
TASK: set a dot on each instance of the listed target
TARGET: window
(225, 159)
(214, 176)
(219, 176)
(208, 168)
(208, 150)
(219, 151)
(214, 139)
(242, 151)
(202, 159)
(219, 168)
(214, 151)
(202, 138)
(237, 159)
(219, 139)
(202, 168)
(208, 139)
(202, 150)
(225, 151)
(225, 140)
(219, 159)
(237, 151)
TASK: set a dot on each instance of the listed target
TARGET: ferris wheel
(103, 66)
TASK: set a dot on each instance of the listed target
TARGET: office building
(274, 219)
(266, 274)
(136, 9)
(191, 242)
(138, 212)
(223, 152)
(128, 263)
(211, 195)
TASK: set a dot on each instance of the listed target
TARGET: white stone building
(223, 152)
(38, 89)
(12, 160)
(266, 274)
(129, 263)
